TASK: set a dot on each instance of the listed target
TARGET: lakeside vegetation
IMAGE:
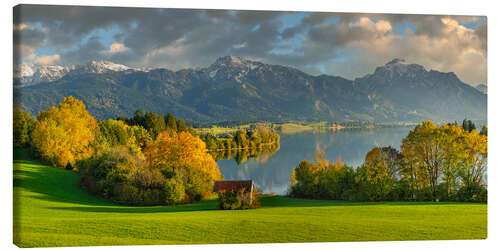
(243, 143)
(51, 210)
(231, 127)
(446, 163)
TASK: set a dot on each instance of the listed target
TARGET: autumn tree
(184, 157)
(423, 152)
(23, 125)
(474, 159)
(381, 171)
(64, 134)
(241, 138)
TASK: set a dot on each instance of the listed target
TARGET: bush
(473, 193)
(230, 201)
(174, 191)
(124, 177)
(237, 200)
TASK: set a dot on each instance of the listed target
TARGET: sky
(343, 44)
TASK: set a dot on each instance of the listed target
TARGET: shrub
(229, 201)
(174, 191)
(237, 200)
(124, 177)
(473, 193)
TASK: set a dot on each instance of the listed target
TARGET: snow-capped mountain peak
(231, 67)
(104, 66)
(27, 74)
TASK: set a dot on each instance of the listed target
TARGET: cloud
(451, 48)
(313, 42)
(48, 59)
(20, 27)
(117, 48)
(23, 51)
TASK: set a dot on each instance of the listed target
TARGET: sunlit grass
(50, 209)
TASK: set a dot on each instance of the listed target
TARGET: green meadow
(50, 209)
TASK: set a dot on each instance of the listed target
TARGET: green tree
(484, 130)
(23, 125)
(171, 121)
(116, 132)
(154, 124)
(181, 127)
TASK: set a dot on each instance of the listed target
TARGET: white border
(456, 7)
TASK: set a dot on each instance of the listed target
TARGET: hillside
(234, 88)
(51, 210)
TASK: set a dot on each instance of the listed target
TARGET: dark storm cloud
(180, 38)
(29, 37)
(88, 51)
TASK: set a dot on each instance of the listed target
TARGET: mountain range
(234, 88)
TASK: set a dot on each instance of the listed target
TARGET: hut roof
(233, 186)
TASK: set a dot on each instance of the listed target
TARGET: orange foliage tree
(184, 157)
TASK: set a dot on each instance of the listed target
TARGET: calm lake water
(271, 173)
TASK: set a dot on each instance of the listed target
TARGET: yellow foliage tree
(172, 151)
(64, 134)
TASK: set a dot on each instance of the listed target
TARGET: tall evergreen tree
(171, 121)
(465, 125)
(484, 130)
(180, 126)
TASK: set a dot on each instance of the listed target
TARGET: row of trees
(243, 144)
(435, 163)
(143, 160)
(260, 136)
(154, 123)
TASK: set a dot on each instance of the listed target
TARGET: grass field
(51, 210)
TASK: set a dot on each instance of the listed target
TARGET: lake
(271, 173)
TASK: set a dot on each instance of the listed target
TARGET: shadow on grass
(50, 184)
(282, 201)
(206, 205)
(35, 180)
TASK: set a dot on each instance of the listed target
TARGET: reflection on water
(271, 172)
(261, 154)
